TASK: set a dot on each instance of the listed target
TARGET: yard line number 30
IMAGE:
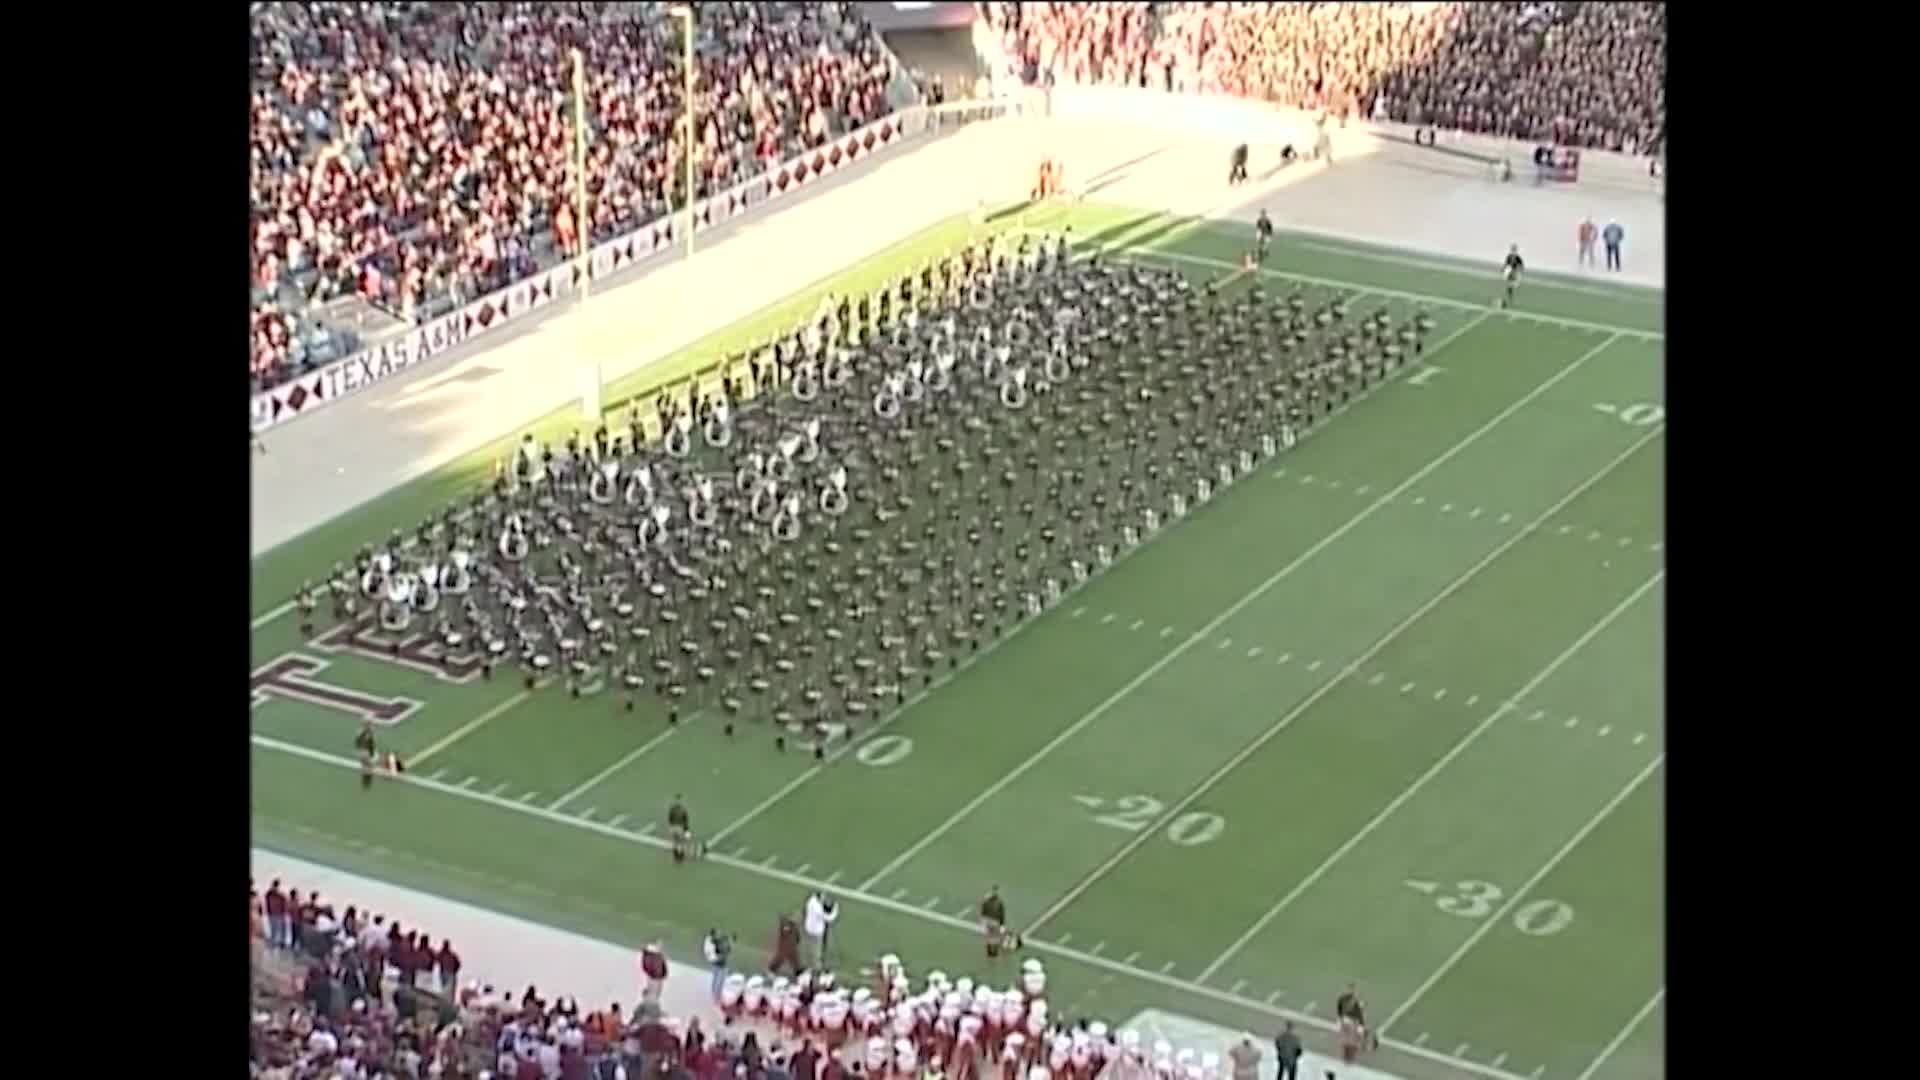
(1138, 812)
(1477, 900)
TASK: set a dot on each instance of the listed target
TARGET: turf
(1387, 711)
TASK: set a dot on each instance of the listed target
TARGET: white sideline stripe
(962, 923)
(1536, 280)
(1499, 917)
(1325, 688)
(1397, 294)
(1413, 789)
(852, 744)
(1608, 1050)
(268, 616)
(624, 761)
(1258, 591)
(466, 729)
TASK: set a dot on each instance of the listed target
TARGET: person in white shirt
(820, 916)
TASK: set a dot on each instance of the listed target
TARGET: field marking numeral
(1424, 375)
(1192, 830)
(1477, 899)
(884, 750)
(1643, 414)
(1137, 812)
(1474, 900)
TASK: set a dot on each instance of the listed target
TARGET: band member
(363, 742)
(680, 828)
(993, 922)
(1354, 1036)
(1263, 236)
(1510, 271)
(1587, 234)
(1237, 165)
(367, 765)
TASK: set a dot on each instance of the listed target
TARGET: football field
(1388, 710)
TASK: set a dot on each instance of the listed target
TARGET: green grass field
(1388, 711)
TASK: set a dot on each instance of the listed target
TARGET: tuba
(806, 382)
(786, 523)
(746, 476)
(838, 370)
(780, 466)
(602, 484)
(833, 498)
(718, 429)
(765, 501)
(457, 578)
(886, 402)
(639, 490)
(426, 596)
(1013, 390)
(678, 439)
(810, 442)
(653, 527)
(513, 539)
(913, 388)
(1019, 331)
(702, 509)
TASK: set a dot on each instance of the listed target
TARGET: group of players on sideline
(376, 998)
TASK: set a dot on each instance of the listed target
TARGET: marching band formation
(876, 494)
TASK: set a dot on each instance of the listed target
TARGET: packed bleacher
(1585, 74)
(420, 154)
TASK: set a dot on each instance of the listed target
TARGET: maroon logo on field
(290, 677)
(419, 652)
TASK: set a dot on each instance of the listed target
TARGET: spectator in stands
(1590, 74)
(421, 155)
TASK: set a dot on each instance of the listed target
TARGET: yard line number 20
(1477, 900)
(1137, 812)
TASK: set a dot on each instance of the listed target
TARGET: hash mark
(1472, 699)
(1573, 721)
(1224, 642)
(1407, 688)
(438, 773)
(1440, 693)
(1333, 484)
(1107, 618)
(1097, 946)
(1499, 1059)
(587, 814)
(1538, 714)
(1137, 624)
(1565, 529)
(833, 877)
(1655, 546)
(1592, 536)
(1237, 984)
(615, 823)
(1640, 738)
(1131, 957)
(497, 789)
(1307, 479)
(1461, 1050)
(1165, 968)
(531, 796)
(1378, 678)
(1271, 998)
(740, 852)
(1165, 631)
(1419, 500)
(1504, 518)
(1605, 729)
(1447, 509)
(898, 893)
(1284, 657)
(1278, 473)
(767, 863)
(801, 870)
(1422, 1039)
(647, 829)
(1315, 666)
(1363, 489)
(1063, 939)
(1253, 652)
(934, 905)
(469, 781)
(1311, 1005)
(1076, 613)
(1626, 541)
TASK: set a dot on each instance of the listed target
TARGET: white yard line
(267, 617)
(790, 786)
(1607, 1051)
(1350, 668)
(625, 761)
(1535, 279)
(964, 925)
(1499, 917)
(1422, 298)
(1414, 788)
(1254, 594)
(466, 729)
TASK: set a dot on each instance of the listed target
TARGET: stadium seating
(419, 154)
(1589, 74)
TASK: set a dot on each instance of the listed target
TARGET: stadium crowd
(1586, 74)
(346, 994)
(420, 154)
